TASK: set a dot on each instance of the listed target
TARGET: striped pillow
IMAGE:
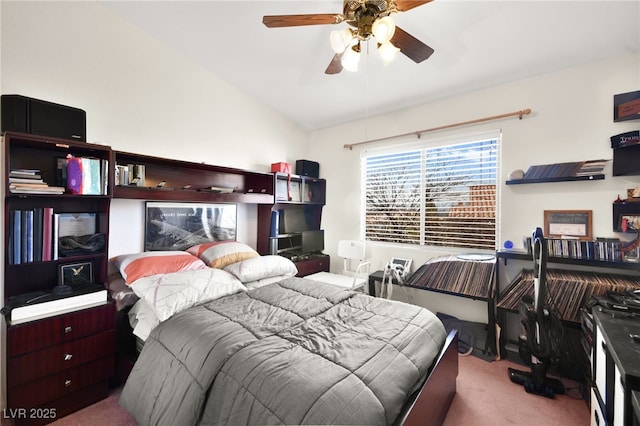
(137, 265)
(222, 253)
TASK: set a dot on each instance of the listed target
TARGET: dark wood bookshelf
(167, 179)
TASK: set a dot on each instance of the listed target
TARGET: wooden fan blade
(404, 5)
(335, 66)
(416, 50)
(298, 20)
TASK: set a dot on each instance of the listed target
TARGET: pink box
(281, 168)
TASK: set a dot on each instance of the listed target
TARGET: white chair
(352, 277)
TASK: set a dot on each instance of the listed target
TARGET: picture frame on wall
(626, 106)
(568, 224)
(178, 226)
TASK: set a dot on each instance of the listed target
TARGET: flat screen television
(312, 241)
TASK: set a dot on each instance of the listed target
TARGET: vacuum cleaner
(535, 344)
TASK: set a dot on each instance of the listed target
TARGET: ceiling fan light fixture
(340, 40)
(383, 29)
(351, 57)
(387, 52)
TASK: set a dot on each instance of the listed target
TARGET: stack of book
(29, 181)
(130, 175)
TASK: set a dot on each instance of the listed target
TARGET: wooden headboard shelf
(176, 180)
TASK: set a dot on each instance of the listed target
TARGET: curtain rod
(419, 133)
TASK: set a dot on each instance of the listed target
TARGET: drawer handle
(68, 329)
(67, 357)
(67, 383)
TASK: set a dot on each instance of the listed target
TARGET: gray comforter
(294, 352)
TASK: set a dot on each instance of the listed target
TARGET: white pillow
(142, 319)
(168, 294)
(259, 268)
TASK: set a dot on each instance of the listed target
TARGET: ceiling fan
(366, 19)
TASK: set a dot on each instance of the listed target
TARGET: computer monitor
(312, 241)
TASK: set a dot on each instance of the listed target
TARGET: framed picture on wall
(568, 224)
(626, 106)
(178, 226)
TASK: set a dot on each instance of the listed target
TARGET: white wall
(571, 120)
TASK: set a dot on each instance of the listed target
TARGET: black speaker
(307, 168)
(28, 115)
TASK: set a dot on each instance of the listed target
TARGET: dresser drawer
(312, 265)
(55, 359)
(40, 392)
(52, 331)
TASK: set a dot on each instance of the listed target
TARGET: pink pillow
(138, 265)
(222, 253)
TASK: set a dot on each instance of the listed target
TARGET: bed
(249, 343)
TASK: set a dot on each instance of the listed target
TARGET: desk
(375, 277)
(617, 355)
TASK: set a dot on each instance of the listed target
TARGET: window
(442, 195)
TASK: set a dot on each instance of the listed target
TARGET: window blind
(442, 195)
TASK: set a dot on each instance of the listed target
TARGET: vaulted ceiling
(477, 44)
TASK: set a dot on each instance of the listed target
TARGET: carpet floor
(485, 397)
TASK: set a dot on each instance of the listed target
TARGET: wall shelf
(559, 179)
(166, 179)
(562, 172)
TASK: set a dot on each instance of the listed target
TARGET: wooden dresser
(60, 364)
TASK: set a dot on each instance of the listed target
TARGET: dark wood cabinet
(312, 264)
(297, 208)
(63, 362)
(59, 364)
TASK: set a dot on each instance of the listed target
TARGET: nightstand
(375, 277)
(59, 364)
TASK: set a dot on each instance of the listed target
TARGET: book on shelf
(16, 180)
(47, 234)
(25, 173)
(27, 236)
(566, 170)
(38, 216)
(15, 243)
(591, 168)
(55, 190)
(30, 236)
(91, 176)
